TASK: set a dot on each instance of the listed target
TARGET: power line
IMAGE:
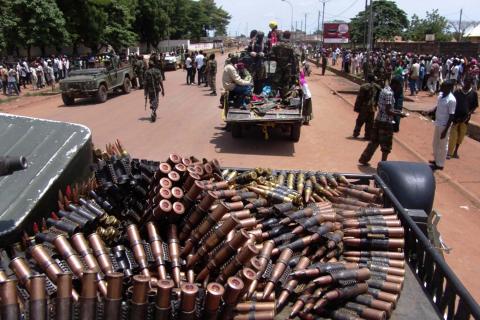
(345, 10)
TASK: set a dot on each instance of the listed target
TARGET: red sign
(335, 33)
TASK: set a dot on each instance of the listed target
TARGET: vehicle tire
(413, 184)
(127, 86)
(236, 129)
(67, 100)
(102, 94)
(295, 132)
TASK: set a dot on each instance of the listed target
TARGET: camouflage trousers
(153, 97)
(212, 82)
(364, 117)
(382, 135)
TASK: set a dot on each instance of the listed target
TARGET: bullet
(113, 300)
(101, 253)
(375, 244)
(341, 293)
(63, 300)
(386, 286)
(370, 222)
(46, 263)
(212, 218)
(365, 312)
(378, 260)
(344, 314)
(162, 210)
(213, 240)
(81, 245)
(9, 307)
(213, 298)
(244, 255)
(38, 298)
(189, 294)
(136, 245)
(233, 289)
(369, 211)
(281, 178)
(223, 254)
(256, 315)
(383, 269)
(88, 297)
(247, 275)
(304, 213)
(366, 254)
(384, 296)
(387, 277)
(76, 218)
(156, 245)
(290, 286)
(317, 220)
(22, 271)
(64, 225)
(278, 269)
(139, 302)
(162, 302)
(248, 196)
(242, 214)
(344, 275)
(66, 251)
(369, 301)
(174, 250)
(391, 232)
(321, 268)
(163, 194)
(174, 177)
(361, 195)
(290, 180)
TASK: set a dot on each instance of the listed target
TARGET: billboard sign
(335, 32)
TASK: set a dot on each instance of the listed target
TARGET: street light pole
(323, 19)
(291, 17)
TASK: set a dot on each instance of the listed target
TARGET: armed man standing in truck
(153, 86)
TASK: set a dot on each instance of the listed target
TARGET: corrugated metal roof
(475, 32)
(50, 147)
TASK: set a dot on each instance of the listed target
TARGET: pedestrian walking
(413, 75)
(189, 68)
(467, 101)
(433, 76)
(12, 81)
(200, 65)
(365, 105)
(4, 79)
(382, 133)
(307, 100)
(153, 86)
(324, 63)
(444, 114)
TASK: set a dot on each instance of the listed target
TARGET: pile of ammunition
(183, 239)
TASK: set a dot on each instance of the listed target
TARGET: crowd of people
(379, 102)
(37, 73)
(202, 66)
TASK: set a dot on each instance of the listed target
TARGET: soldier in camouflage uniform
(212, 73)
(139, 69)
(287, 65)
(153, 86)
(365, 105)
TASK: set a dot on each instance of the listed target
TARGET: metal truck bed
(431, 288)
(277, 115)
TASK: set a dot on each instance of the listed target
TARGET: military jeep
(97, 81)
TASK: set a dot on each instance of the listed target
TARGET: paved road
(189, 123)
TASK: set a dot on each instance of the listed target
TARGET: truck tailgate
(276, 115)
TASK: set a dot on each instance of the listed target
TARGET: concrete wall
(468, 49)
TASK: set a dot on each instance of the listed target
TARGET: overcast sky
(255, 14)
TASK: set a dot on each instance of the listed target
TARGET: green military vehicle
(97, 81)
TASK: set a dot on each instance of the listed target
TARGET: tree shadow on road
(253, 142)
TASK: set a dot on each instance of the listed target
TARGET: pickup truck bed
(281, 115)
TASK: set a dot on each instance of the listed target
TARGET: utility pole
(305, 24)
(323, 19)
(370, 38)
(460, 26)
(366, 27)
(318, 23)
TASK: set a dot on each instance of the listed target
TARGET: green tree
(7, 25)
(85, 21)
(39, 23)
(433, 23)
(119, 28)
(388, 22)
(152, 21)
(180, 19)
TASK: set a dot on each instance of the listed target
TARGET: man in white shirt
(444, 112)
(189, 68)
(199, 62)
